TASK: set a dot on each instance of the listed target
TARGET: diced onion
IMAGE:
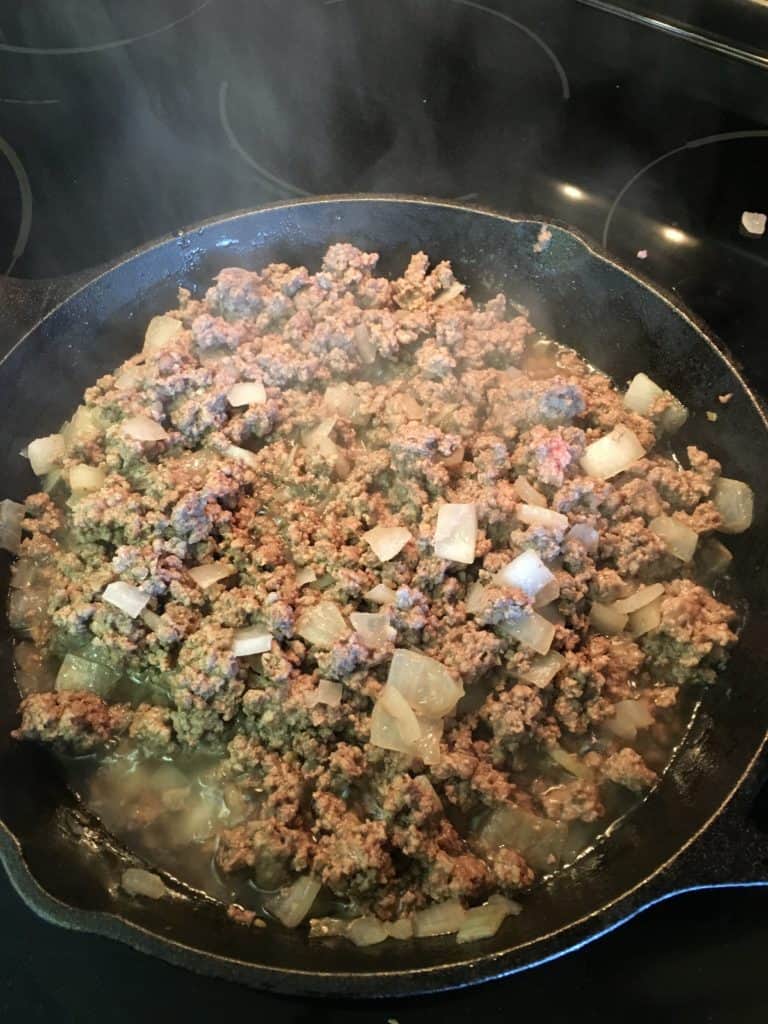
(680, 540)
(529, 493)
(129, 379)
(143, 428)
(569, 762)
(327, 927)
(612, 454)
(395, 704)
(305, 575)
(83, 478)
(532, 515)
(318, 439)
(373, 628)
(532, 630)
(427, 685)
(33, 673)
(127, 598)
(292, 905)
(366, 931)
(343, 400)
(543, 669)
(251, 640)
(645, 619)
(606, 619)
(586, 535)
(387, 542)
(475, 598)
(206, 575)
(138, 882)
(456, 533)
(161, 330)
(540, 841)
(323, 625)
(84, 426)
(641, 597)
(630, 715)
(735, 502)
(643, 393)
(45, 452)
(247, 392)
(78, 673)
(23, 572)
(386, 731)
(400, 929)
(242, 455)
(528, 573)
(326, 693)
(441, 919)
(11, 516)
(380, 594)
(427, 746)
(483, 922)
(152, 620)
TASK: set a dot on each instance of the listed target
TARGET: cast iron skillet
(66, 867)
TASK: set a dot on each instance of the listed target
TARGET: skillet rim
(416, 980)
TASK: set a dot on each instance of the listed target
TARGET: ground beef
(384, 400)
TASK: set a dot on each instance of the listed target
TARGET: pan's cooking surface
(506, 132)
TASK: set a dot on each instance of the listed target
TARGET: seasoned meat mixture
(366, 595)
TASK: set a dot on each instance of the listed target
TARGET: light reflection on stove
(573, 192)
(676, 236)
(25, 196)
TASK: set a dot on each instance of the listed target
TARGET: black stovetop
(122, 121)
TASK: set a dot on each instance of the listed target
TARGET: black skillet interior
(578, 297)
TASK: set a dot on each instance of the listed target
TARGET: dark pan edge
(418, 980)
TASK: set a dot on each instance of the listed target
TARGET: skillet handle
(733, 851)
(23, 303)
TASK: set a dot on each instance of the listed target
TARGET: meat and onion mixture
(356, 603)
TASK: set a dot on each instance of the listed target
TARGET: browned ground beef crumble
(444, 402)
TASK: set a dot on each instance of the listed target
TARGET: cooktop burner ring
(25, 201)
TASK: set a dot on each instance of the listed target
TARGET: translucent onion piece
(143, 428)
(528, 573)
(387, 541)
(540, 841)
(251, 640)
(292, 905)
(33, 672)
(456, 533)
(401, 929)
(45, 452)
(735, 502)
(23, 573)
(152, 620)
(27, 607)
(427, 746)
(129, 379)
(395, 704)
(680, 540)
(206, 575)
(242, 455)
(326, 693)
(322, 625)
(247, 392)
(161, 330)
(611, 454)
(83, 478)
(426, 684)
(366, 931)
(529, 493)
(453, 291)
(643, 393)
(11, 516)
(570, 762)
(386, 731)
(544, 668)
(305, 576)
(319, 437)
(532, 515)
(532, 630)
(380, 594)
(80, 674)
(127, 598)
(84, 426)
(327, 927)
(373, 628)
(586, 535)
(343, 400)
(441, 919)
(138, 882)
(630, 715)
(606, 619)
(483, 922)
(641, 597)
(645, 619)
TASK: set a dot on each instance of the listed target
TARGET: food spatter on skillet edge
(408, 592)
